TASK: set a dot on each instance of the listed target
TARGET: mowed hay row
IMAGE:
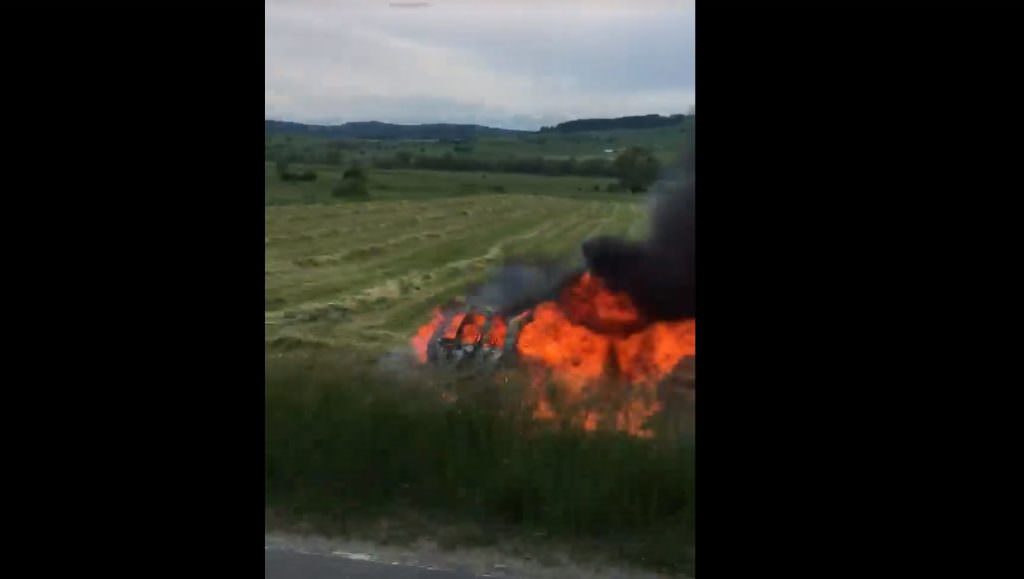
(300, 223)
(370, 264)
(377, 239)
(447, 257)
(393, 261)
(455, 228)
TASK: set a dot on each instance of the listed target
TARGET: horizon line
(338, 124)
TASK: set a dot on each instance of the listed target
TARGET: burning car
(586, 342)
(617, 335)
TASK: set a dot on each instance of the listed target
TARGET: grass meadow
(352, 449)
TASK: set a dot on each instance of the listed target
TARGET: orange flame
(648, 356)
(576, 354)
(582, 341)
(472, 328)
(588, 302)
(422, 338)
(453, 326)
(590, 338)
(496, 336)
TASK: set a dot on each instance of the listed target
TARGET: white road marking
(353, 556)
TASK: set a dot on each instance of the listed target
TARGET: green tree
(355, 172)
(282, 168)
(353, 183)
(636, 168)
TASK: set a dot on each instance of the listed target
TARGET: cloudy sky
(507, 63)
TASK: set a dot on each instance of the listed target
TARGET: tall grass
(345, 442)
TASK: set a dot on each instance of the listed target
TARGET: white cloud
(333, 63)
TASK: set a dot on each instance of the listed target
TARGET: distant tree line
(378, 130)
(594, 167)
(636, 168)
(635, 122)
(536, 165)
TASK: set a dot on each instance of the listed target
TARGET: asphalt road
(286, 564)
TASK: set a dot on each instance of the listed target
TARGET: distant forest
(382, 131)
(637, 122)
(453, 132)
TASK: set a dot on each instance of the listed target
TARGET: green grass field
(348, 447)
(351, 453)
(369, 273)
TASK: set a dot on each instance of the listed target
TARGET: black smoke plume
(657, 273)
